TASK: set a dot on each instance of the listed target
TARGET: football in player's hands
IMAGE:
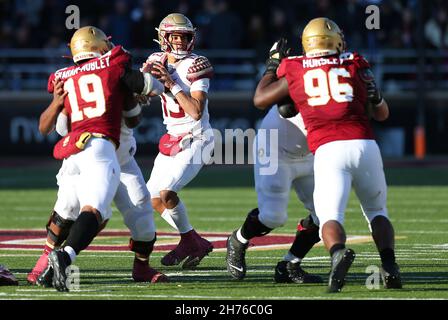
(286, 108)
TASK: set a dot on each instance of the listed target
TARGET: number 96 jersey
(331, 95)
(192, 73)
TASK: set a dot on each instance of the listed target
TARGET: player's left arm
(378, 107)
(270, 91)
(273, 89)
(48, 118)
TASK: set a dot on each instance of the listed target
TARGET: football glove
(278, 51)
(373, 93)
(286, 108)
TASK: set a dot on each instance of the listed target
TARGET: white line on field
(74, 294)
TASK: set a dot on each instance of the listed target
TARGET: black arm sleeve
(133, 79)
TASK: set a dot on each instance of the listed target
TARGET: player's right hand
(279, 50)
(59, 93)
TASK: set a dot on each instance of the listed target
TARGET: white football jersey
(192, 73)
(291, 133)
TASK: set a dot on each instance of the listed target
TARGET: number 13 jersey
(330, 94)
(192, 73)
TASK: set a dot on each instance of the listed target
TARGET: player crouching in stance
(93, 92)
(295, 169)
(332, 88)
(189, 142)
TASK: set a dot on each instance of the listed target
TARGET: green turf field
(218, 201)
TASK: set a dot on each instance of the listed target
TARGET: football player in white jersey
(132, 199)
(295, 170)
(189, 142)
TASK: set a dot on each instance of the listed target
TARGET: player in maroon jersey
(335, 92)
(93, 92)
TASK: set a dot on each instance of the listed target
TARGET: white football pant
(340, 164)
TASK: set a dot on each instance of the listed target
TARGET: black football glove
(286, 108)
(373, 93)
(278, 51)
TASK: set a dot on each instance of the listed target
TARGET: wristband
(379, 103)
(176, 89)
(133, 112)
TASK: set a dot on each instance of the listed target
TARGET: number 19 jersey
(95, 93)
(331, 96)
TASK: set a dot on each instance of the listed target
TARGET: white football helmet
(176, 23)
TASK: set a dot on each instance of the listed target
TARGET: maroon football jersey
(331, 96)
(95, 93)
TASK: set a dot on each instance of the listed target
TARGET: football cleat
(59, 260)
(41, 265)
(191, 246)
(236, 257)
(45, 279)
(390, 273)
(7, 278)
(289, 272)
(203, 248)
(142, 272)
(340, 263)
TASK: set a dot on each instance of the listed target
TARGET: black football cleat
(390, 273)
(235, 258)
(45, 279)
(288, 272)
(340, 263)
(59, 261)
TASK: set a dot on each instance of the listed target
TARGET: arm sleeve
(62, 124)
(200, 85)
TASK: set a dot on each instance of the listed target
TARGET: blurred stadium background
(409, 55)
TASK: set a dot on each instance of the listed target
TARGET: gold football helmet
(89, 42)
(322, 37)
(176, 23)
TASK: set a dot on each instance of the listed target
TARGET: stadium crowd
(222, 24)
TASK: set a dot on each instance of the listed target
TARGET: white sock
(240, 237)
(180, 217)
(71, 252)
(167, 217)
(291, 258)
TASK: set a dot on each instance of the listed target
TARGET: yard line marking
(137, 295)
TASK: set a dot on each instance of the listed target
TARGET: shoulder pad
(199, 69)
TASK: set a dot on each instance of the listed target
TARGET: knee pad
(253, 227)
(63, 224)
(142, 247)
(308, 227)
(370, 216)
